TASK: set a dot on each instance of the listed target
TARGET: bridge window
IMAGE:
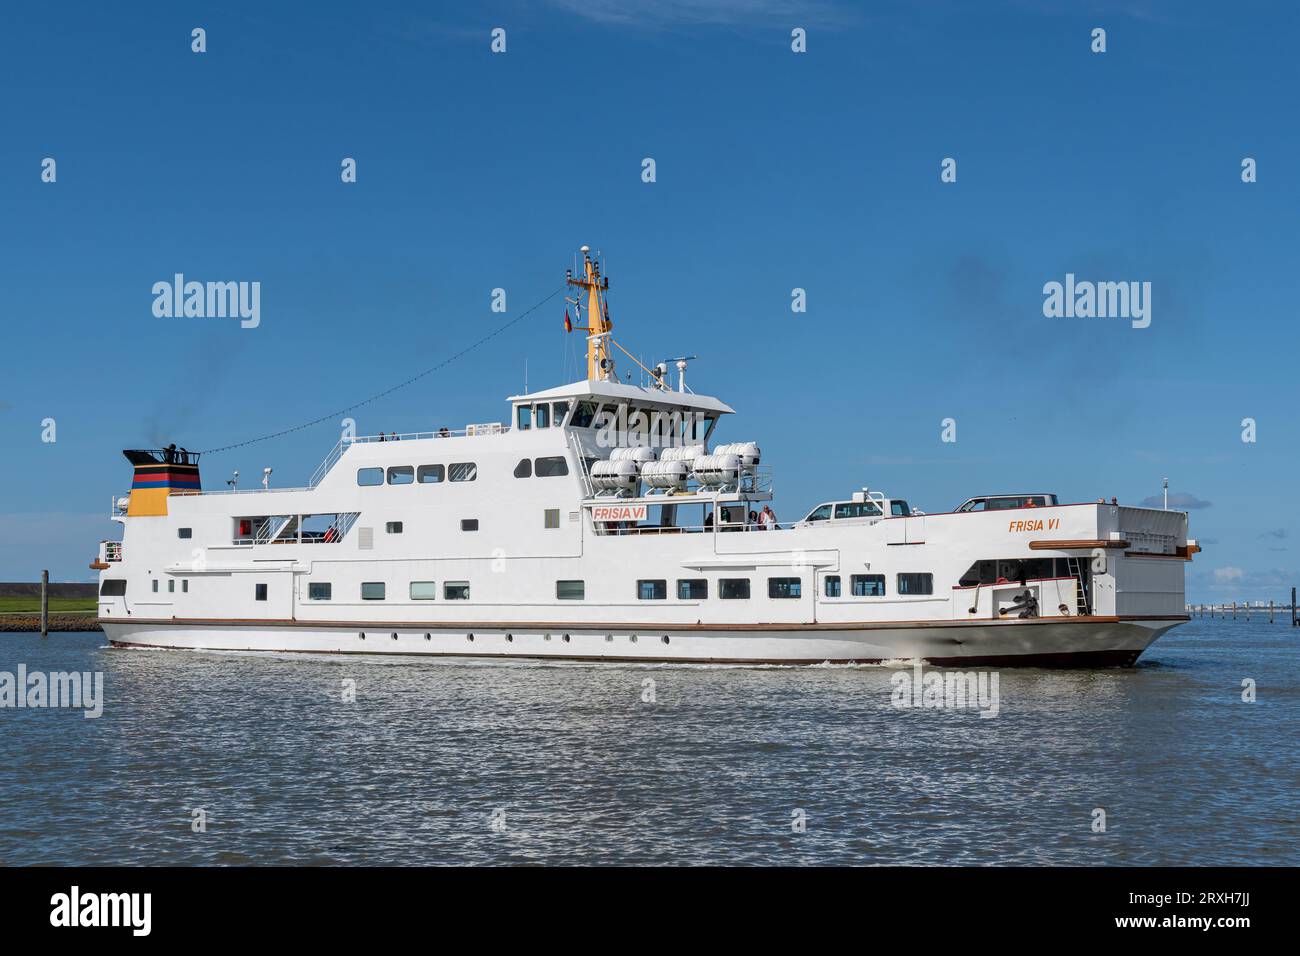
(542, 415)
(463, 471)
(733, 589)
(524, 417)
(430, 474)
(868, 585)
(784, 587)
(652, 590)
(555, 467)
(692, 589)
(570, 590)
(583, 415)
(373, 591)
(524, 469)
(113, 587)
(401, 475)
(916, 584)
(822, 513)
(424, 590)
(899, 509)
(320, 591)
(560, 409)
(455, 591)
(833, 585)
(370, 476)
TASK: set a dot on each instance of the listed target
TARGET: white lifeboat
(747, 451)
(715, 470)
(670, 475)
(615, 476)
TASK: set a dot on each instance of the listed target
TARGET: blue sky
(775, 170)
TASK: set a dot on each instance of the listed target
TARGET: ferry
(602, 522)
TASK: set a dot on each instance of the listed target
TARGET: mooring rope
(388, 391)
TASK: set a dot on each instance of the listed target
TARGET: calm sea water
(461, 762)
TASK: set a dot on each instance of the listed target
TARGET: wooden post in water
(1234, 610)
(1293, 620)
(1270, 612)
(45, 603)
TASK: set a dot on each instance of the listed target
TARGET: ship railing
(110, 551)
(469, 431)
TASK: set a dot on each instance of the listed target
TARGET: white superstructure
(600, 522)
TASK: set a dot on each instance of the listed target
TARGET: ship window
(916, 584)
(857, 509)
(469, 524)
(899, 509)
(393, 527)
(868, 585)
(463, 471)
(583, 415)
(401, 475)
(652, 590)
(730, 589)
(552, 467)
(822, 513)
(784, 588)
(372, 590)
(113, 587)
(171, 587)
(551, 518)
(185, 587)
(259, 592)
(542, 416)
(570, 590)
(524, 469)
(370, 476)
(430, 474)
(692, 589)
(424, 590)
(560, 409)
(184, 532)
(524, 417)
(455, 591)
(320, 591)
(833, 585)
(155, 585)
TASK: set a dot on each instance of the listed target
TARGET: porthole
(548, 637)
(566, 638)
(609, 638)
(470, 638)
(427, 637)
(632, 638)
(665, 638)
(362, 635)
(394, 635)
(510, 638)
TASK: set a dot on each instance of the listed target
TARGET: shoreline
(20, 623)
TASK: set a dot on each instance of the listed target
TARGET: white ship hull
(1035, 642)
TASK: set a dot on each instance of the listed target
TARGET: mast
(600, 363)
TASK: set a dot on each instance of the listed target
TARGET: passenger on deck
(751, 523)
(382, 437)
(767, 520)
(443, 433)
(708, 521)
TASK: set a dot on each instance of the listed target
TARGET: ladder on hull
(1080, 589)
